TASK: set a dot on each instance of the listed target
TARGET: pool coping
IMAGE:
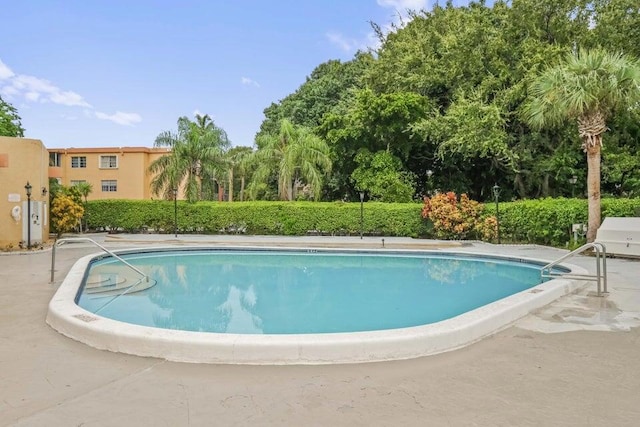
(332, 348)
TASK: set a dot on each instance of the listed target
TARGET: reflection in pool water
(286, 292)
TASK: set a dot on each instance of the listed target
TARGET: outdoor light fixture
(28, 188)
(573, 181)
(44, 191)
(175, 211)
(496, 194)
(429, 173)
(361, 213)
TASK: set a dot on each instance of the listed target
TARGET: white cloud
(32, 96)
(125, 119)
(344, 43)
(34, 89)
(249, 82)
(69, 117)
(5, 72)
(69, 99)
(9, 92)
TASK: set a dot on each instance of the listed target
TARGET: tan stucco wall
(133, 181)
(23, 160)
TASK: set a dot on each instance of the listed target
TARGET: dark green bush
(283, 218)
(548, 221)
(544, 221)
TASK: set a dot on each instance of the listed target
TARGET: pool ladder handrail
(87, 239)
(601, 266)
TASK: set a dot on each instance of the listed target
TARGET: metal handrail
(86, 239)
(126, 291)
(601, 266)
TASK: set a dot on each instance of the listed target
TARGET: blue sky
(117, 73)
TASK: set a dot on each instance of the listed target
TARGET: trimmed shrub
(545, 221)
(257, 217)
(548, 221)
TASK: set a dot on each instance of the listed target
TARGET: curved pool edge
(395, 344)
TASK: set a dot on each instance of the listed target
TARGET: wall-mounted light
(44, 191)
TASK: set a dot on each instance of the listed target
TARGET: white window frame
(57, 159)
(105, 161)
(109, 185)
(75, 182)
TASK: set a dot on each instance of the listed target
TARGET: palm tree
(195, 160)
(84, 189)
(294, 155)
(238, 161)
(588, 86)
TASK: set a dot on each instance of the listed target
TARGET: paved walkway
(584, 373)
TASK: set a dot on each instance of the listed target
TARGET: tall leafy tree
(376, 123)
(84, 189)
(10, 124)
(381, 177)
(238, 166)
(295, 156)
(195, 161)
(589, 86)
(328, 84)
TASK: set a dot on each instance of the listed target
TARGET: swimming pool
(296, 306)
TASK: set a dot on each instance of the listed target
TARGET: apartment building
(114, 173)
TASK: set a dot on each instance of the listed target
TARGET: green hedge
(544, 221)
(281, 218)
(548, 221)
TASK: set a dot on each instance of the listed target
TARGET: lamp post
(28, 188)
(429, 174)
(496, 194)
(175, 211)
(361, 213)
(573, 181)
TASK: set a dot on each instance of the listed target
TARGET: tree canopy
(446, 92)
(442, 103)
(10, 124)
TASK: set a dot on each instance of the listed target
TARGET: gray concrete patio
(575, 362)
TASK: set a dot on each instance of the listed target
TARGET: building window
(76, 182)
(78, 161)
(55, 159)
(108, 162)
(110, 185)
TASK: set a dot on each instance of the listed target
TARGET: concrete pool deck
(574, 362)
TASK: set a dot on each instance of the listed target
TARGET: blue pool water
(297, 292)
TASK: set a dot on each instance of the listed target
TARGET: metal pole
(28, 221)
(498, 217)
(496, 193)
(53, 259)
(361, 214)
(175, 212)
(28, 189)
